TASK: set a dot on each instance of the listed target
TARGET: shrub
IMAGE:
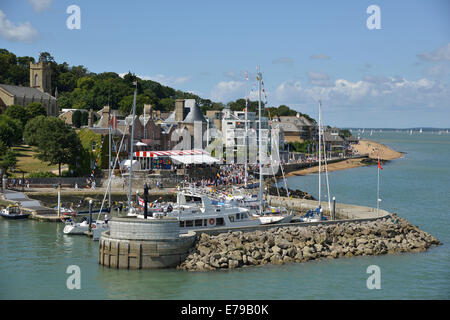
(42, 174)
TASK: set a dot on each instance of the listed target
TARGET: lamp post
(90, 216)
(334, 209)
(2, 181)
(145, 200)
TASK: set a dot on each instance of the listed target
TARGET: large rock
(276, 249)
(286, 244)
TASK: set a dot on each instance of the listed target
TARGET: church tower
(40, 77)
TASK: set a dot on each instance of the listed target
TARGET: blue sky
(397, 76)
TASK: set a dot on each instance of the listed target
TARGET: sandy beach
(363, 147)
(374, 148)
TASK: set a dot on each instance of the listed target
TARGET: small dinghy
(13, 212)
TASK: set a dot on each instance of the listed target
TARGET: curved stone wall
(140, 229)
(144, 244)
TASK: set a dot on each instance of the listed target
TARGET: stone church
(40, 90)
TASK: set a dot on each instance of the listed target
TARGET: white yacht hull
(76, 228)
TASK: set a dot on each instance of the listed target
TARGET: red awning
(152, 154)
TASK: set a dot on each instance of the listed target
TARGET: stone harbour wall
(133, 243)
(140, 229)
(387, 235)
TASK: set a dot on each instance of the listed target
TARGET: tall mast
(320, 149)
(259, 77)
(378, 184)
(246, 133)
(131, 147)
(109, 161)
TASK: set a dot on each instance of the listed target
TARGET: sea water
(35, 256)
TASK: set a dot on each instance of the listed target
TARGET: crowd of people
(17, 183)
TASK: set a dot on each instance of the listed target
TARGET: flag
(134, 83)
(246, 75)
(113, 122)
(379, 165)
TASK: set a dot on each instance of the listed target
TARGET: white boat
(13, 212)
(195, 215)
(238, 198)
(97, 228)
(73, 227)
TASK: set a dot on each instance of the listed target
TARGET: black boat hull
(15, 216)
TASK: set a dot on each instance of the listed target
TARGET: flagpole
(378, 184)
(320, 151)
(109, 162)
(130, 183)
(260, 146)
(246, 132)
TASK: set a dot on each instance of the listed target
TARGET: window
(219, 222)
(205, 222)
(238, 216)
(181, 224)
(231, 217)
(198, 223)
(36, 80)
(188, 223)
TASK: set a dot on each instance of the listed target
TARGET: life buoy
(211, 221)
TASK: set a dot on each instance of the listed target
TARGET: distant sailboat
(410, 132)
(371, 131)
(420, 131)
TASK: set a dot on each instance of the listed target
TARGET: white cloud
(231, 75)
(440, 54)
(23, 32)
(226, 91)
(40, 5)
(319, 79)
(370, 92)
(286, 61)
(320, 56)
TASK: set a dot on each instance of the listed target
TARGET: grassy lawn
(28, 163)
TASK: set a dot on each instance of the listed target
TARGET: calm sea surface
(34, 256)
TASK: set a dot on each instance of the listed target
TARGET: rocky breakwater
(303, 243)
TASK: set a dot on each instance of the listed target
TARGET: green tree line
(79, 88)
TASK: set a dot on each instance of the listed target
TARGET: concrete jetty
(34, 207)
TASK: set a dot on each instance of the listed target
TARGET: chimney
(179, 110)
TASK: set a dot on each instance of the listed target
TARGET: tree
(30, 133)
(7, 157)
(34, 110)
(84, 118)
(345, 133)
(18, 112)
(57, 143)
(10, 130)
(76, 119)
(46, 57)
(126, 104)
